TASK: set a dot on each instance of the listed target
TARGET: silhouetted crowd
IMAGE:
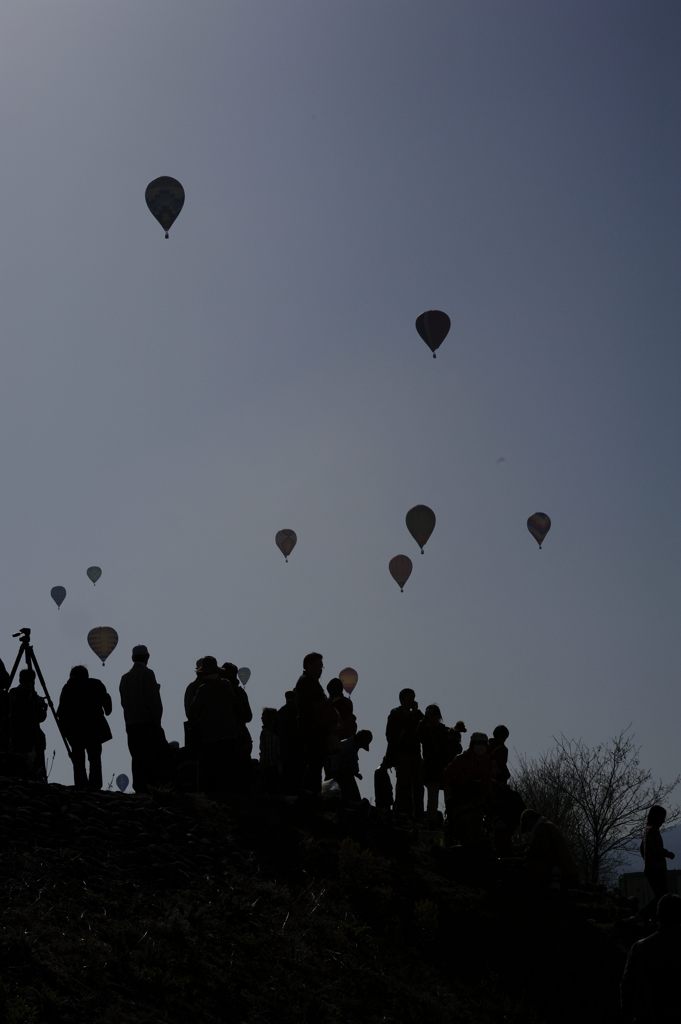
(310, 747)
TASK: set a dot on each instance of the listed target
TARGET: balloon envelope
(539, 525)
(286, 540)
(420, 523)
(400, 569)
(165, 199)
(244, 674)
(433, 326)
(93, 573)
(122, 781)
(102, 640)
(349, 679)
(58, 594)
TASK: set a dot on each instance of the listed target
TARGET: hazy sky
(167, 406)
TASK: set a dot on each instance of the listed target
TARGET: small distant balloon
(539, 525)
(433, 326)
(93, 573)
(420, 523)
(349, 679)
(400, 569)
(243, 675)
(286, 540)
(122, 781)
(102, 640)
(58, 594)
(165, 198)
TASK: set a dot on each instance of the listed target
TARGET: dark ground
(171, 908)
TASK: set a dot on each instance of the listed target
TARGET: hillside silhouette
(165, 908)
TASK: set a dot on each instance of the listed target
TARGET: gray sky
(166, 406)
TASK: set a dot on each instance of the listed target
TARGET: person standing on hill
(243, 747)
(436, 744)
(404, 754)
(216, 719)
(498, 751)
(27, 711)
(655, 858)
(5, 683)
(343, 705)
(289, 744)
(317, 722)
(143, 711)
(82, 706)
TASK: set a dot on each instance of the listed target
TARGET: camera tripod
(26, 652)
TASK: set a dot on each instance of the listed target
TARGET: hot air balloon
(122, 781)
(58, 594)
(102, 640)
(400, 569)
(349, 679)
(243, 675)
(286, 540)
(539, 525)
(420, 523)
(165, 199)
(93, 573)
(433, 326)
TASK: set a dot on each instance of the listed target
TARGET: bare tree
(599, 796)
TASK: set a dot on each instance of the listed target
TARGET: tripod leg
(33, 662)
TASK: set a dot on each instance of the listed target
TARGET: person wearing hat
(143, 710)
(216, 722)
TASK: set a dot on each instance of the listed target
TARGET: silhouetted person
(289, 743)
(347, 764)
(317, 722)
(143, 710)
(243, 747)
(655, 858)
(26, 739)
(270, 751)
(404, 754)
(650, 988)
(82, 706)
(498, 751)
(5, 684)
(216, 720)
(548, 856)
(468, 788)
(436, 746)
(343, 705)
(455, 740)
(189, 695)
